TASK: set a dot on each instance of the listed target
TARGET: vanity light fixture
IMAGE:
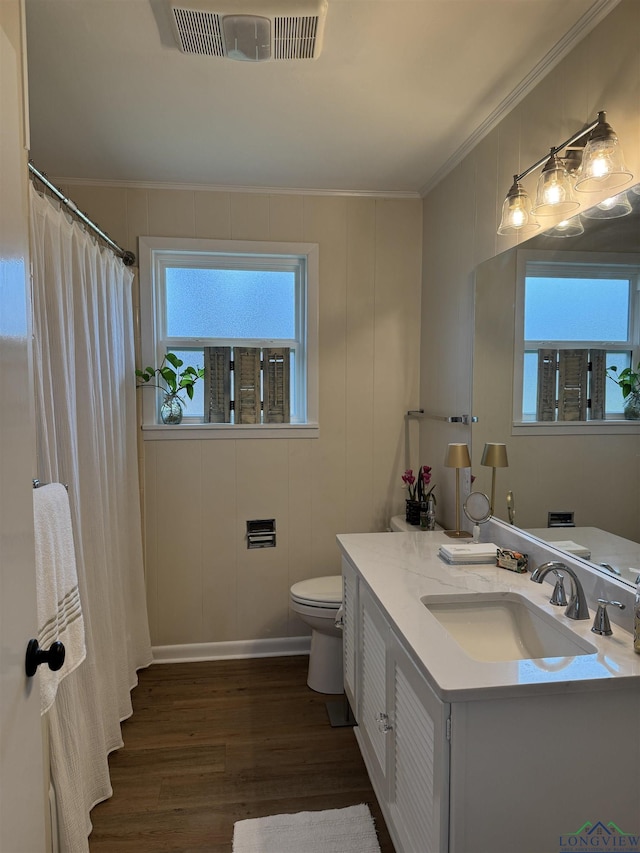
(494, 456)
(457, 457)
(611, 208)
(598, 167)
(567, 228)
(554, 195)
(603, 165)
(517, 210)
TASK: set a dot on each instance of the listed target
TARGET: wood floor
(210, 743)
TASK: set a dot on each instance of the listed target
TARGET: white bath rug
(349, 830)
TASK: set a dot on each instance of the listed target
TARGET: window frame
(609, 265)
(158, 253)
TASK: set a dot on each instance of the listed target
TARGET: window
(575, 318)
(245, 312)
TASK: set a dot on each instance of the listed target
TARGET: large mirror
(584, 482)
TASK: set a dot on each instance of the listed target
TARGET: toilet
(317, 601)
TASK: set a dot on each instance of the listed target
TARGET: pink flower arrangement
(410, 483)
(417, 487)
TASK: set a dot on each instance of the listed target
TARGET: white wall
(462, 213)
(203, 584)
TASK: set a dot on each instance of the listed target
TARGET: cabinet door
(418, 759)
(374, 714)
(349, 633)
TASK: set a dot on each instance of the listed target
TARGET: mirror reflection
(573, 481)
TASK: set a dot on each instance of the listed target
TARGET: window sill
(197, 431)
(608, 427)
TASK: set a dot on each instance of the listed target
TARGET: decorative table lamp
(494, 456)
(457, 457)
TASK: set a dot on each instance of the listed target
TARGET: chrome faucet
(577, 607)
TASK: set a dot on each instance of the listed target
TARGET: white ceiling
(398, 91)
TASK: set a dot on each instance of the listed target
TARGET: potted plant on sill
(171, 380)
(629, 382)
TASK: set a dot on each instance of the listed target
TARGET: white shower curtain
(86, 432)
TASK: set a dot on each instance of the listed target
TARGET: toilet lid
(319, 591)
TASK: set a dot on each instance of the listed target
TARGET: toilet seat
(317, 602)
(318, 592)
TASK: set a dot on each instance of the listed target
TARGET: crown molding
(597, 13)
(159, 185)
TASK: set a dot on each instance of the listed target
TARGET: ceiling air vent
(250, 30)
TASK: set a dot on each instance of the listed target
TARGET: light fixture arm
(565, 144)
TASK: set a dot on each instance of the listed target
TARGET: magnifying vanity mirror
(477, 508)
(581, 474)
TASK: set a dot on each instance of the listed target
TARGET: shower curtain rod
(128, 258)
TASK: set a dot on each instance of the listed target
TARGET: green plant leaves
(173, 359)
(627, 379)
(174, 379)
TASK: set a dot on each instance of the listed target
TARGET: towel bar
(451, 419)
(37, 484)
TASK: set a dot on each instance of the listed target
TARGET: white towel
(59, 609)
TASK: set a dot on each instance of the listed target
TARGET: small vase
(632, 407)
(428, 514)
(171, 410)
(412, 512)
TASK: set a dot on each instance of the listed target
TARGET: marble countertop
(400, 568)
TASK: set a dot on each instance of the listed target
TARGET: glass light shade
(567, 228)
(457, 456)
(516, 210)
(495, 455)
(603, 165)
(611, 208)
(554, 195)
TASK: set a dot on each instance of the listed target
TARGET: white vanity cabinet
(402, 725)
(490, 770)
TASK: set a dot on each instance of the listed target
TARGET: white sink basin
(504, 626)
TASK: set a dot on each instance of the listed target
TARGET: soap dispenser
(636, 618)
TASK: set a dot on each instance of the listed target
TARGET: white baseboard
(190, 652)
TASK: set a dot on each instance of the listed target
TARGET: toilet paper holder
(261, 533)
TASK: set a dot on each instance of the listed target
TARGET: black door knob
(54, 657)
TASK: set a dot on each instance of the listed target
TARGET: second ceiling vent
(250, 31)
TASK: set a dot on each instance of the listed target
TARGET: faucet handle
(559, 596)
(601, 624)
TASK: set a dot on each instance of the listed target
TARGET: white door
(22, 822)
